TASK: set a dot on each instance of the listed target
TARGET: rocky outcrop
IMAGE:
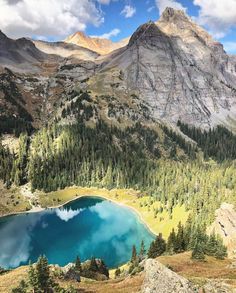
(179, 71)
(170, 70)
(217, 286)
(225, 226)
(159, 279)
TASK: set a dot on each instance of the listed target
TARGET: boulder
(159, 279)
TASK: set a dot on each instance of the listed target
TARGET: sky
(54, 20)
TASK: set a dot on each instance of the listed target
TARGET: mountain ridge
(173, 67)
(102, 46)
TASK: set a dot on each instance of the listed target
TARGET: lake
(89, 226)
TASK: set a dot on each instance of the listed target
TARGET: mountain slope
(66, 50)
(170, 70)
(178, 70)
(99, 45)
(20, 54)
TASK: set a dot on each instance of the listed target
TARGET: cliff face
(225, 226)
(172, 68)
(180, 71)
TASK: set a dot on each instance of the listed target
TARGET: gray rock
(159, 279)
(179, 71)
(225, 226)
(217, 287)
(72, 275)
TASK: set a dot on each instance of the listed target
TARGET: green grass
(11, 201)
(142, 204)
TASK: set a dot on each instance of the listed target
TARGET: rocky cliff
(179, 71)
(170, 70)
(225, 226)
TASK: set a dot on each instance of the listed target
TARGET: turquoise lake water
(89, 226)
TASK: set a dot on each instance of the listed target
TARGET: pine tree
(44, 281)
(180, 244)
(134, 255)
(93, 264)
(211, 245)
(39, 279)
(22, 288)
(32, 276)
(78, 266)
(198, 251)
(221, 250)
(171, 242)
(142, 251)
(157, 247)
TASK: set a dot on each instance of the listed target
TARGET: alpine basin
(86, 227)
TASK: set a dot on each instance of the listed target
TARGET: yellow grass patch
(143, 205)
(12, 201)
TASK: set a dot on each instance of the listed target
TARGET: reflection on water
(67, 214)
(87, 227)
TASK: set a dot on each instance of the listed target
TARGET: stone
(159, 279)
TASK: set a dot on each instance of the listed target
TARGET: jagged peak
(171, 14)
(175, 22)
(145, 32)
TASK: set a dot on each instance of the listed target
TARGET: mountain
(178, 70)
(66, 50)
(150, 122)
(167, 70)
(99, 45)
(21, 54)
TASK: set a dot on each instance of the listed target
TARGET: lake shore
(139, 203)
(102, 196)
(123, 205)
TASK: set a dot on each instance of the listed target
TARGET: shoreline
(124, 205)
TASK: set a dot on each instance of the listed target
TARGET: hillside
(212, 274)
(148, 122)
(170, 70)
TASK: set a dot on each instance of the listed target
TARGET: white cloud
(105, 2)
(162, 4)
(128, 11)
(56, 18)
(112, 33)
(67, 214)
(150, 9)
(15, 240)
(218, 15)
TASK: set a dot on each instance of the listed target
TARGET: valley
(142, 131)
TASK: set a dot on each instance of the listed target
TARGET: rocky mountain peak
(173, 15)
(176, 23)
(99, 45)
(145, 33)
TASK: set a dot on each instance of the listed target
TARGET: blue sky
(222, 30)
(115, 19)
